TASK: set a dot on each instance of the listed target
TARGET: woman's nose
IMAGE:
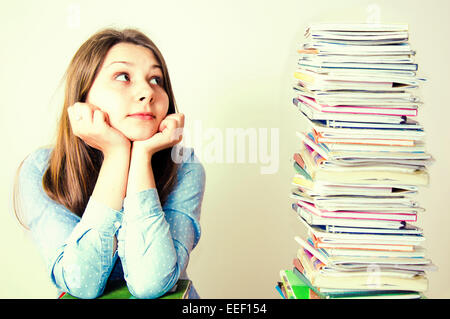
(145, 94)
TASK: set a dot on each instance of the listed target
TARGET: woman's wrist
(123, 150)
(141, 172)
(141, 153)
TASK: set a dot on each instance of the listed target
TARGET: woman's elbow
(83, 289)
(152, 287)
(86, 292)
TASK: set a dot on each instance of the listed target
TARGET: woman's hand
(92, 125)
(169, 133)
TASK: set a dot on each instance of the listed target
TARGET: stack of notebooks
(360, 163)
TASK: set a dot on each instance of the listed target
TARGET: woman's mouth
(143, 116)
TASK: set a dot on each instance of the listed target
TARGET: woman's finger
(177, 118)
(180, 119)
(87, 112)
(174, 132)
(98, 118)
(75, 118)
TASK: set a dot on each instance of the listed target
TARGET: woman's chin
(140, 136)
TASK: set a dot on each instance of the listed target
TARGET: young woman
(108, 203)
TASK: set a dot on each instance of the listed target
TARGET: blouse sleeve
(78, 252)
(154, 242)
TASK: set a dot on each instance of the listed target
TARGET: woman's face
(129, 88)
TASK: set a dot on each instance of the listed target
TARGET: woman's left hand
(169, 133)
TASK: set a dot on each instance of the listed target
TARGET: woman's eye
(123, 77)
(156, 80)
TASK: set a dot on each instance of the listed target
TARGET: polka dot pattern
(153, 242)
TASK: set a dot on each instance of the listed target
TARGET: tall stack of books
(360, 164)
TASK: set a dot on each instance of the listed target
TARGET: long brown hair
(73, 165)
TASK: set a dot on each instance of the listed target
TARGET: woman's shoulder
(34, 202)
(191, 173)
(37, 160)
(188, 161)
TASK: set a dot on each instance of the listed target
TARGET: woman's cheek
(158, 125)
(113, 108)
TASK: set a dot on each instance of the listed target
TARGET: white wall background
(231, 64)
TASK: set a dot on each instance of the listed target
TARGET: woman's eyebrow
(154, 66)
(124, 62)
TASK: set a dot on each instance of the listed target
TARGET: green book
(179, 291)
(295, 288)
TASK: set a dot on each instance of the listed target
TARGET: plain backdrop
(231, 64)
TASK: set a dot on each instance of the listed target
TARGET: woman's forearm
(148, 252)
(140, 176)
(110, 188)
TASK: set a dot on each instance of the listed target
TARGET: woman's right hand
(92, 125)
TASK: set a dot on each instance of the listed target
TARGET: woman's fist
(91, 124)
(170, 132)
